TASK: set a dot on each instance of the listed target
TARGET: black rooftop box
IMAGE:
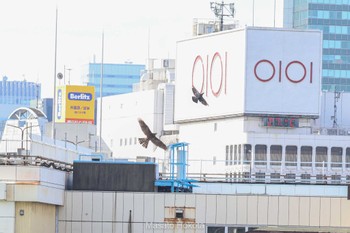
(114, 176)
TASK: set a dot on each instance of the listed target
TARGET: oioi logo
(59, 104)
(81, 96)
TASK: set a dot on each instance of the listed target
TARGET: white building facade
(267, 118)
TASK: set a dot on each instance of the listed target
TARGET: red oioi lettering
(207, 77)
(284, 70)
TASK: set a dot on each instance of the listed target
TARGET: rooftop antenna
(218, 9)
(334, 117)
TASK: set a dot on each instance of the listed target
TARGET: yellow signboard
(75, 104)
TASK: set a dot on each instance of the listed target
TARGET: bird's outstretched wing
(159, 143)
(144, 128)
(150, 136)
(198, 96)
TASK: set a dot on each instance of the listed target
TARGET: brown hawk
(149, 136)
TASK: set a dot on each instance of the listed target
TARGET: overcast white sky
(27, 30)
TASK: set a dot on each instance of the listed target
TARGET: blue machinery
(178, 181)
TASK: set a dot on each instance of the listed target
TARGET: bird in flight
(198, 96)
(149, 136)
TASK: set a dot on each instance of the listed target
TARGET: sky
(133, 31)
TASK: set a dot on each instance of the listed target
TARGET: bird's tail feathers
(194, 99)
(144, 142)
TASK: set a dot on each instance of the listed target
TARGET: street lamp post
(76, 142)
(22, 131)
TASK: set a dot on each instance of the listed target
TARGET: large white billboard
(249, 71)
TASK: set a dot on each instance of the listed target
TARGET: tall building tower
(117, 78)
(333, 18)
(18, 92)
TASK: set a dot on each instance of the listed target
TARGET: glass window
(336, 156)
(290, 177)
(305, 178)
(247, 153)
(226, 157)
(291, 155)
(321, 156)
(260, 154)
(275, 177)
(347, 157)
(231, 154)
(235, 155)
(306, 156)
(276, 154)
(216, 230)
(335, 179)
(239, 155)
(260, 176)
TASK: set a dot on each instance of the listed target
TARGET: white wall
(250, 70)
(120, 128)
(7, 217)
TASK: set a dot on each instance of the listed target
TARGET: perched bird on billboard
(198, 96)
(149, 136)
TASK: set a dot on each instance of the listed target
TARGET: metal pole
(222, 17)
(101, 95)
(253, 11)
(54, 83)
(274, 13)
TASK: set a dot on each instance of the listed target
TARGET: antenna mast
(334, 117)
(218, 9)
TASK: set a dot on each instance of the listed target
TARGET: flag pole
(54, 84)
(101, 95)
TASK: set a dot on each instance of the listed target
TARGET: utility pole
(218, 9)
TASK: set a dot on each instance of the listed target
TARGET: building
(19, 92)
(15, 94)
(46, 106)
(333, 18)
(117, 78)
(267, 117)
(153, 101)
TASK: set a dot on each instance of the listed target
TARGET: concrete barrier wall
(150, 212)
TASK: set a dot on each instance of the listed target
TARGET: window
(247, 153)
(216, 230)
(336, 179)
(231, 154)
(226, 157)
(347, 157)
(290, 177)
(276, 155)
(260, 154)
(321, 178)
(305, 178)
(321, 156)
(275, 177)
(291, 155)
(260, 176)
(239, 155)
(235, 156)
(336, 156)
(306, 156)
